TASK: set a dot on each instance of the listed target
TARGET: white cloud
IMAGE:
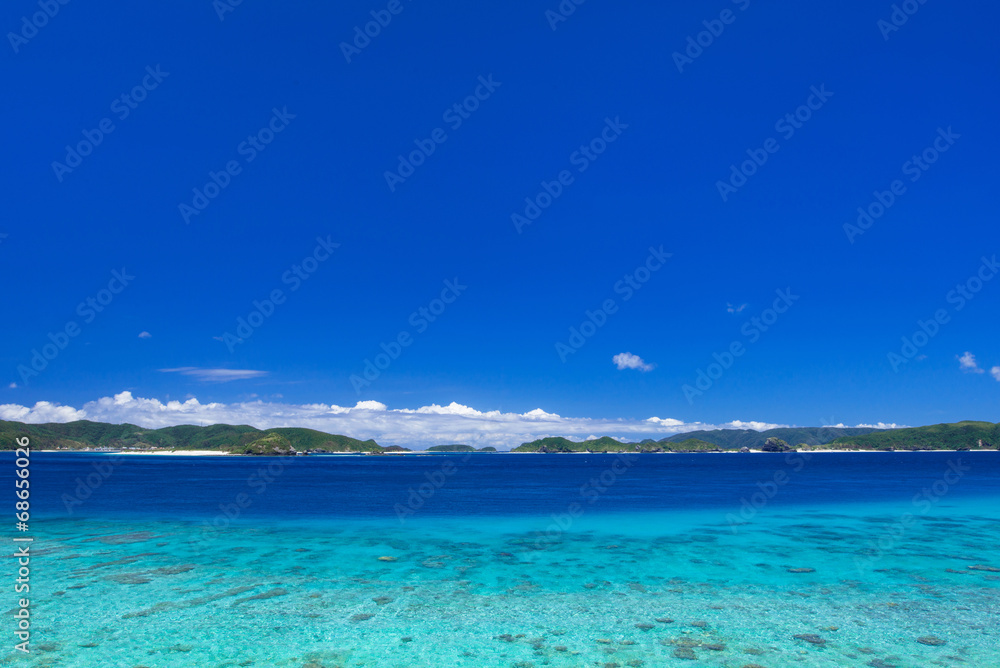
(539, 414)
(967, 363)
(216, 375)
(665, 422)
(752, 424)
(145, 335)
(735, 309)
(12, 386)
(451, 409)
(417, 427)
(995, 372)
(630, 361)
(42, 411)
(881, 425)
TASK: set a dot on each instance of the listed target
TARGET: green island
(459, 448)
(247, 440)
(952, 436)
(235, 439)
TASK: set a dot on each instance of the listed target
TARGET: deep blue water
(483, 484)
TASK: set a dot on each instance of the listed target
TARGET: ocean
(483, 560)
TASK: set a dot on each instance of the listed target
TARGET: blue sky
(607, 74)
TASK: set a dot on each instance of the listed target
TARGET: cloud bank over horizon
(419, 428)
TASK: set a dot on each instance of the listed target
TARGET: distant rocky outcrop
(773, 444)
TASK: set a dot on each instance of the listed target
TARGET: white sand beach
(180, 453)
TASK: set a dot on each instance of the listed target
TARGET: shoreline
(178, 453)
(737, 452)
(217, 453)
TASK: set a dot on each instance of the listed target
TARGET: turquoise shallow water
(516, 590)
(488, 593)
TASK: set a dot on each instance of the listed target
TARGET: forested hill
(244, 439)
(953, 436)
(237, 439)
(734, 439)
